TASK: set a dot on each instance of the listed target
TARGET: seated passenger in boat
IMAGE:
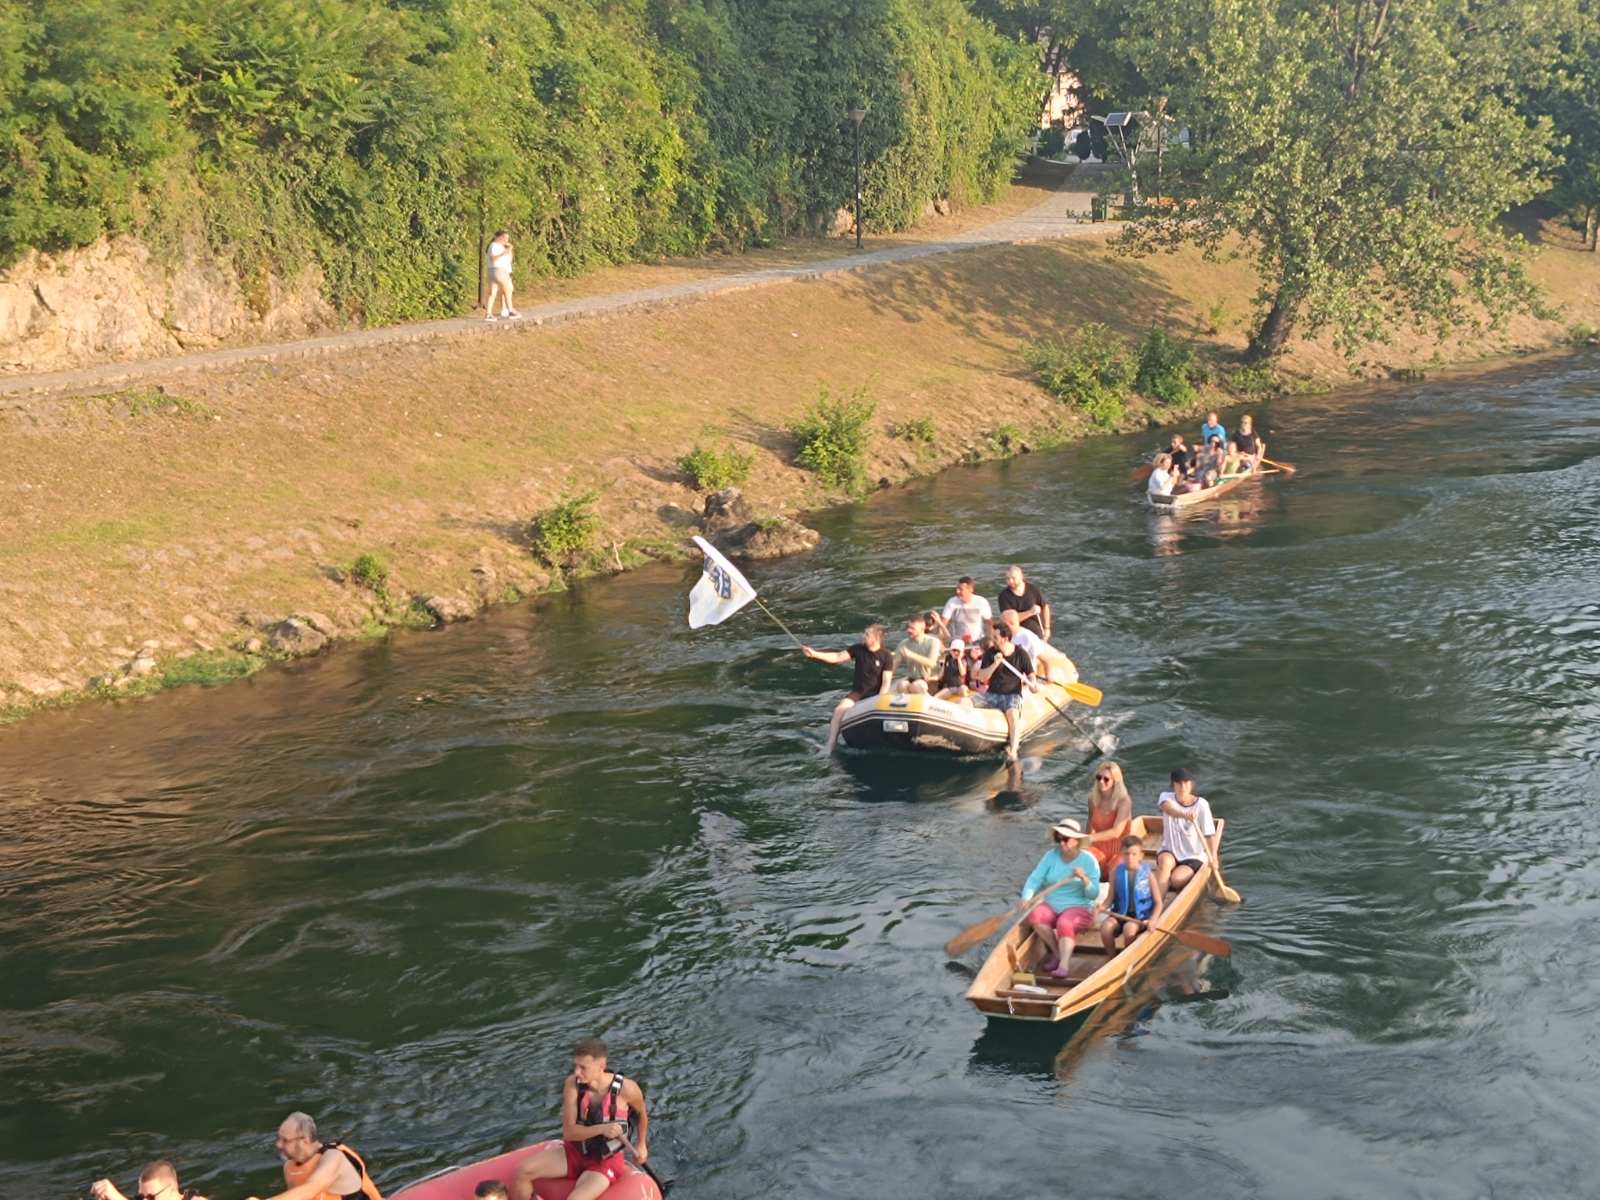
(1182, 457)
(597, 1107)
(158, 1181)
(1232, 464)
(917, 659)
(1188, 834)
(953, 673)
(1049, 663)
(1251, 446)
(965, 614)
(1133, 899)
(1212, 428)
(1006, 671)
(873, 674)
(1209, 463)
(1162, 480)
(1066, 912)
(1110, 816)
(491, 1189)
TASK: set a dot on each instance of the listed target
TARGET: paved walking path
(1060, 215)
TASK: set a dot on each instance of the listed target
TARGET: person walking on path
(500, 259)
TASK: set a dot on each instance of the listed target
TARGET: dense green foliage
(712, 469)
(831, 439)
(564, 532)
(1164, 366)
(374, 138)
(1093, 372)
(1365, 154)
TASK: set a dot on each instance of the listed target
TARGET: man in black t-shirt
(1028, 600)
(874, 668)
(1007, 669)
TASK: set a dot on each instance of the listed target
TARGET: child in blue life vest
(1133, 898)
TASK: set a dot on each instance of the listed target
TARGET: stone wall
(114, 301)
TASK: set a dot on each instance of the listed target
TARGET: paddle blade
(1141, 473)
(1085, 693)
(1223, 891)
(974, 935)
(1203, 942)
(1286, 468)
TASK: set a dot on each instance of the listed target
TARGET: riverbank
(195, 529)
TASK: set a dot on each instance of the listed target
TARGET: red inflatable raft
(458, 1183)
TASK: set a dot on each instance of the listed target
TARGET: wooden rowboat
(1185, 499)
(1095, 976)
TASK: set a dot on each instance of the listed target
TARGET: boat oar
(665, 1185)
(1202, 942)
(1083, 693)
(1140, 473)
(1286, 468)
(984, 930)
(1219, 884)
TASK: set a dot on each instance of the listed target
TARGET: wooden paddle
(984, 930)
(664, 1184)
(1286, 468)
(1219, 884)
(1202, 942)
(1140, 473)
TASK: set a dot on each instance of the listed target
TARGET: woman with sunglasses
(158, 1181)
(1110, 816)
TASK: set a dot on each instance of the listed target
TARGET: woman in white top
(500, 255)
(1188, 835)
(1161, 479)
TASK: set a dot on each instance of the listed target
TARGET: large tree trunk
(1591, 228)
(1273, 335)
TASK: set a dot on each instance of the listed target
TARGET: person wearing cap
(953, 680)
(1188, 834)
(1061, 916)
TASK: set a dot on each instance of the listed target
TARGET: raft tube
(458, 1183)
(924, 723)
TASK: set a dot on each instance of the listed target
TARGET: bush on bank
(373, 139)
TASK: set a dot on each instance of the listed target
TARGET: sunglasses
(1103, 778)
(155, 1195)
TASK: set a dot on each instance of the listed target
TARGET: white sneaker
(491, 317)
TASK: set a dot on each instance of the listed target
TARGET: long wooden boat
(1094, 975)
(1186, 499)
(945, 726)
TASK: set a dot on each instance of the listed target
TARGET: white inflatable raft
(924, 723)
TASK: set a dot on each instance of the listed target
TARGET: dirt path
(1059, 215)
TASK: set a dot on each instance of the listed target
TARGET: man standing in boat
(597, 1106)
(966, 614)
(1027, 601)
(874, 674)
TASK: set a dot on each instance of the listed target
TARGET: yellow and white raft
(924, 723)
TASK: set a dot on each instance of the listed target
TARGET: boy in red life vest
(318, 1170)
(597, 1106)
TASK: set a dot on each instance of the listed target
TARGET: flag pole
(781, 625)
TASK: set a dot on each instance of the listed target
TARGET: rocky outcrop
(447, 610)
(733, 526)
(113, 301)
(295, 638)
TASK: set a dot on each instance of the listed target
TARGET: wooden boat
(1094, 975)
(459, 1183)
(915, 722)
(1186, 499)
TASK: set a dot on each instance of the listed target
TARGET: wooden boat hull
(1095, 977)
(1189, 499)
(458, 1183)
(926, 724)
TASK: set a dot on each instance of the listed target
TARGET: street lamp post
(857, 114)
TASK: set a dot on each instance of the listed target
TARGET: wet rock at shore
(296, 638)
(319, 622)
(733, 526)
(447, 610)
(726, 510)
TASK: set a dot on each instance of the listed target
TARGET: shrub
(371, 572)
(1093, 373)
(712, 469)
(1164, 363)
(915, 429)
(1255, 380)
(566, 530)
(1005, 438)
(832, 437)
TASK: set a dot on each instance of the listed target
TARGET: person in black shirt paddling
(1252, 447)
(1027, 600)
(1006, 669)
(874, 668)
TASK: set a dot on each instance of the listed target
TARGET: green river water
(393, 885)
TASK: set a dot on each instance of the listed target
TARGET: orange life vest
(295, 1174)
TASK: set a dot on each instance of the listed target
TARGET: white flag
(721, 592)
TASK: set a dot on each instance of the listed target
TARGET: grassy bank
(169, 528)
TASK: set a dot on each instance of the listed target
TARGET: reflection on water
(313, 890)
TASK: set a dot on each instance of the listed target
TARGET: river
(393, 885)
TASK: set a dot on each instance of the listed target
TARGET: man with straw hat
(1066, 912)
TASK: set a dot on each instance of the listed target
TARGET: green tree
(1573, 102)
(1363, 151)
